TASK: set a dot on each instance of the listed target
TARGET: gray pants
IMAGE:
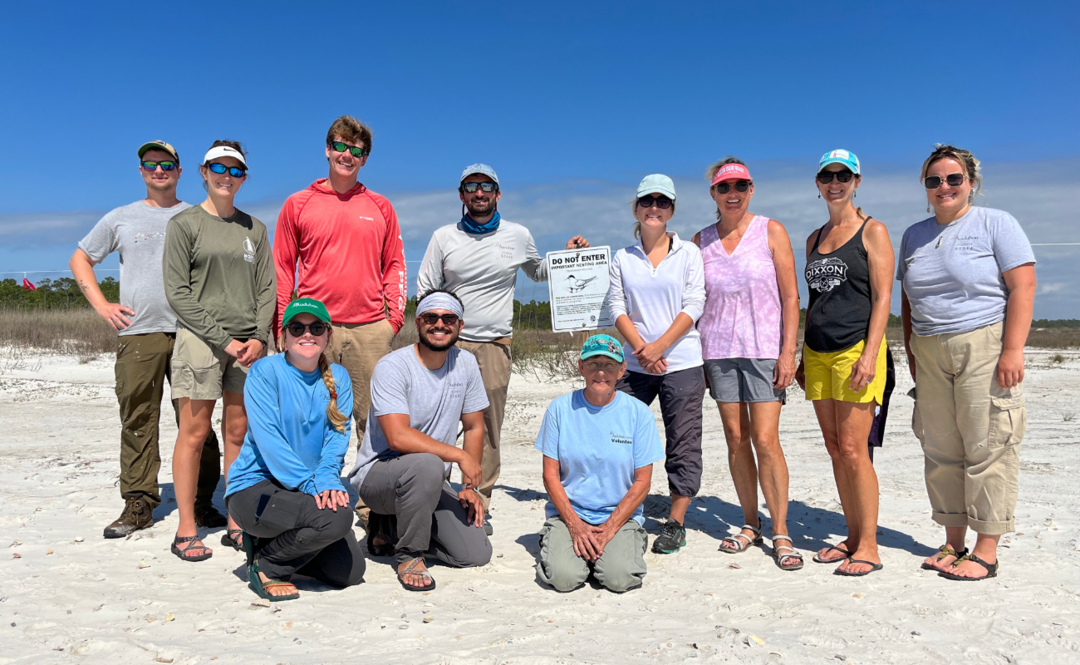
(302, 537)
(620, 568)
(430, 519)
(681, 394)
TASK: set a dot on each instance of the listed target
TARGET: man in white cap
(146, 333)
(478, 259)
(419, 396)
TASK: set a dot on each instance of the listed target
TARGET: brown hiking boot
(208, 517)
(137, 515)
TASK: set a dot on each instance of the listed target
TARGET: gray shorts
(743, 380)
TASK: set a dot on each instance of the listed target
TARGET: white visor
(224, 151)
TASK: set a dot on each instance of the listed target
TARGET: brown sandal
(943, 552)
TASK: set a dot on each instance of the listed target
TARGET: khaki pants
(970, 428)
(620, 568)
(357, 347)
(495, 364)
(143, 364)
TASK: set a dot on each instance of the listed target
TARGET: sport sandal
(193, 543)
(409, 571)
(943, 552)
(741, 542)
(786, 552)
(991, 569)
(263, 588)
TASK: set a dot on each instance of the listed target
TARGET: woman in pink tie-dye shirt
(748, 339)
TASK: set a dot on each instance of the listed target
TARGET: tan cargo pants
(970, 428)
(358, 347)
(495, 365)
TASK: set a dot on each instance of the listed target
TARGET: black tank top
(839, 283)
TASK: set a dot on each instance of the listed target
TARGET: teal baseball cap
(305, 306)
(602, 345)
(845, 157)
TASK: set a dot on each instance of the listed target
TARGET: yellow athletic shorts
(828, 375)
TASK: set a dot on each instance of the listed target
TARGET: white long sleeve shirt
(653, 297)
(482, 270)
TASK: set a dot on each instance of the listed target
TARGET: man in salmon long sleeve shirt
(339, 242)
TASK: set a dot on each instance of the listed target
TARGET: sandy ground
(68, 595)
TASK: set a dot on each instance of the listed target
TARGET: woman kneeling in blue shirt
(285, 488)
(599, 446)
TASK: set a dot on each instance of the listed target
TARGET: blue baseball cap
(602, 345)
(844, 157)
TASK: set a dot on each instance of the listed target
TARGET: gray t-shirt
(482, 271)
(433, 399)
(952, 273)
(137, 231)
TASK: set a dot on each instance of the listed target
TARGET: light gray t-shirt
(481, 269)
(137, 231)
(952, 273)
(433, 399)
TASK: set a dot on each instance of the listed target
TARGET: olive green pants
(143, 364)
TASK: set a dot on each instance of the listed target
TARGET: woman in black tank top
(849, 267)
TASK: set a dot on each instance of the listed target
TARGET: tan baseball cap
(159, 145)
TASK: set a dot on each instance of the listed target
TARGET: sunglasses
(953, 180)
(430, 319)
(487, 187)
(609, 368)
(318, 328)
(740, 186)
(825, 177)
(234, 171)
(661, 202)
(339, 146)
(165, 166)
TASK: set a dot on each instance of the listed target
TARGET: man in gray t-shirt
(419, 394)
(146, 330)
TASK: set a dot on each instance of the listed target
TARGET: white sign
(578, 286)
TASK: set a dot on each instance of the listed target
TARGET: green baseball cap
(602, 345)
(305, 306)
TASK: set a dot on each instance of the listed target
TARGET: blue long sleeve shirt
(289, 437)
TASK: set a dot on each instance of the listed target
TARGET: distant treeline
(64, 293)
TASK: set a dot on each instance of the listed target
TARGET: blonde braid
(337, 418)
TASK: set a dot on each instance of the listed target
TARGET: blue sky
(571, 102)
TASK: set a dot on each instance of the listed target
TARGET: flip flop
(739, 547)
(818, 559)
(781, 552)
(229, 539)
(409, 571)
(991, 569)
(182, 552)
(943, 552)
(874, 568)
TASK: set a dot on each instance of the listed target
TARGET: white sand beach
(67, 595)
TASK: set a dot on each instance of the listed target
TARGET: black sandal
(190, 540)
(991, 569)
(943, 552)
(229, 539)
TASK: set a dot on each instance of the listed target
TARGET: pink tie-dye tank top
(742, 297)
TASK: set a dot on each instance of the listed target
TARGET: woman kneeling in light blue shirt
(599, 446)
(285, 487)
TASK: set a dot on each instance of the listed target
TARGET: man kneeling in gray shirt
(418, 396)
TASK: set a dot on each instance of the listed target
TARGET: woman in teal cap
(599, 445)
(285, 487)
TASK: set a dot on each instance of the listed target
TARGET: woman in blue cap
(849, 265)
(285, 487)
(656, 295)
(599, 446)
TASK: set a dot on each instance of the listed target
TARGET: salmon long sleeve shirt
(350, 255)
